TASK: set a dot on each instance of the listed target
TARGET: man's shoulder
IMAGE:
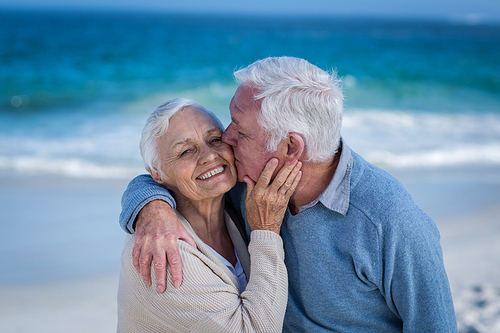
(367, 178)
(380, 196)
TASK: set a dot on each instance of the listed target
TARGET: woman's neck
(206, 217)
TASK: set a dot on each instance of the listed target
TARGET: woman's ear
(296, 146)
(155, 175)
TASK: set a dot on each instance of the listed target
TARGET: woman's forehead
(188, 125)
(197, 116)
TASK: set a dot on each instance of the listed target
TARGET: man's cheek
(240, 170)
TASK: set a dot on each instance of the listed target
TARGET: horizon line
(468, 19)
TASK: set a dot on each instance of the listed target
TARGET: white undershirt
(237, 270)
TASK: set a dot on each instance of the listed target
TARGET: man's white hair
(157, 125)
(297, 97)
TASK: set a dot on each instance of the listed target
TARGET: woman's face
(195, 161)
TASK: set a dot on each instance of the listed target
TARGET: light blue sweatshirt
(361, 258)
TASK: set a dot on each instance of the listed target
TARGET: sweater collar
(336, 196)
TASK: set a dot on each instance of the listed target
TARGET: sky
(460, 9)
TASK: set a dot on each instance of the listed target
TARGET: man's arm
(419, 287)
(141, 191)
(147, 210)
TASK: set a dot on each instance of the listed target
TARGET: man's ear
(296, 146)
(155, 175)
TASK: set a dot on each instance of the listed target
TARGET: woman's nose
(207, 154)
(229, 135)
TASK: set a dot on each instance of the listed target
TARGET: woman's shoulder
(198, 268)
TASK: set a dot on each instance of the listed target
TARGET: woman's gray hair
(297, 97)
(157, 125)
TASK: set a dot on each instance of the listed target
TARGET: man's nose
(229, 135)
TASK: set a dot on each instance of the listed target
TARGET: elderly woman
(222, 291)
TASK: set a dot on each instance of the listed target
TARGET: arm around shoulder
(140, 191)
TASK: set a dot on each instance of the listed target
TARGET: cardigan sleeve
(208, 300)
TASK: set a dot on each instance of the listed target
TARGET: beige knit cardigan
(209, 299)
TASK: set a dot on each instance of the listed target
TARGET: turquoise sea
(76, 88)
(422, 97)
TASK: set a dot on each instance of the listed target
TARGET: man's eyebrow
(241, 129)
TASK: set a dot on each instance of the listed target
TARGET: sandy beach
(471, 250)
(71, 286)
(59, 254)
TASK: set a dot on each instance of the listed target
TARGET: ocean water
(76, 88)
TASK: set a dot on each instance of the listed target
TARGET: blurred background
(78, 80)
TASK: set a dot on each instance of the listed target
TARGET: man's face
(246, 136)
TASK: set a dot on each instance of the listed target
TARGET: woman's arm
(208, 300)
(267, 200)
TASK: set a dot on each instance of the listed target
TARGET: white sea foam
(107, 145)
(419, 139)
(71, 167)
(465, 155)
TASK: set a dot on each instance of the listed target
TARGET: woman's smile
(212, 173)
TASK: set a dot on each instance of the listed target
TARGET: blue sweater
(363, 258)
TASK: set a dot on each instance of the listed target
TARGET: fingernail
(159, 289)
(177, 284)
(274, 161)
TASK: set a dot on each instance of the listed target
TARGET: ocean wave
(423, 139)
(463, 156)
(72, 167)
(470, 156)
(106, 145)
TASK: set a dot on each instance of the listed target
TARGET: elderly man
(361, 256)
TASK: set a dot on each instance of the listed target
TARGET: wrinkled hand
(267, 203)
(156, 233)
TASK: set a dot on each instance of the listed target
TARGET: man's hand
(157, 230)
(266, 203)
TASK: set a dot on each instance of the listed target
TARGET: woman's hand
(266, 203)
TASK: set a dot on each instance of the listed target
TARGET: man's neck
(315, 179)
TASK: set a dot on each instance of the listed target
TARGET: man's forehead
(237, 114)
(244, 98)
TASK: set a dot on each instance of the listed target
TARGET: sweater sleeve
(208, 300)
(415, 279)
(140, 191)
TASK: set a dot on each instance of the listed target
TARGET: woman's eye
(185, 152)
